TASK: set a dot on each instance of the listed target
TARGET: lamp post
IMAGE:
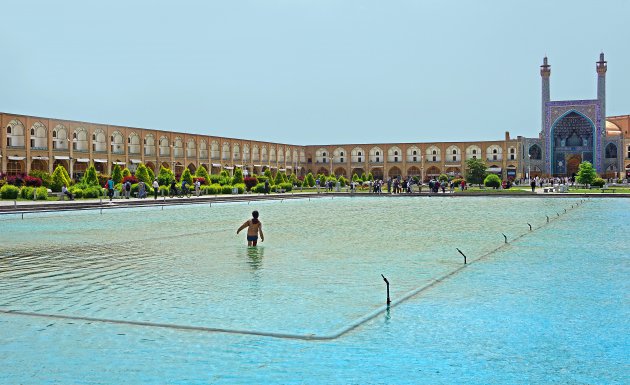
(529, 168)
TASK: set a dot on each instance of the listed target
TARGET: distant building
(571, 132)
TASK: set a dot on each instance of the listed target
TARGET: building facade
(571, 132)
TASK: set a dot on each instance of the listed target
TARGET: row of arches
(150, 145)
(413, 154)
(610, 151)
(395, 171)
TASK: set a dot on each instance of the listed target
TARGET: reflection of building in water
(571, 132)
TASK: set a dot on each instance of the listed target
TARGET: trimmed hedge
(27, 192)
(42, 193)
(9, 191)
(599, 182)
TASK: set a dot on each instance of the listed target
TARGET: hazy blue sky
(312, 71)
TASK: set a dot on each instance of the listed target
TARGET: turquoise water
(549, 307)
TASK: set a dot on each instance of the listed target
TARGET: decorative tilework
(590, 109)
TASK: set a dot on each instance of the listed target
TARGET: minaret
(545, 72)
(602, 67)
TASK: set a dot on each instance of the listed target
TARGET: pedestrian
(267, 186)
(156, 188)
(254, 227)
(142, 190)
(197, 187)
(127, 188)
(110, 188)
(533, 185)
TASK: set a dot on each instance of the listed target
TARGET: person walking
(156, 188)
(110, 188)
(197, 187)
(254, 227)
(127, 189)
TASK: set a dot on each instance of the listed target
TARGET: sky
(311, 71)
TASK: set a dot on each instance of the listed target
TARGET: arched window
(15, 134)
(190, 148)
(39, 137)
(535, 152)
(178, 147)
(611, 151)
(149, 145)
(99, 141)
(117, 143)
(133, 143)
(165, 149)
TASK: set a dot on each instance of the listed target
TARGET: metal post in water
(547, 218)
(101, 211)
(557, 214)
(22, 215)
(462, 254)
(530, 227)
(387, 283)
(505, 236)
(15, 204)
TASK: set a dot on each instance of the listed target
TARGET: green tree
(142, 174)
(342, 181)
(151, 174)
(203, 173)
(363, 177)
(126, 172)
(492, 180)
(238, 176)
(475, 171)
(309, 179)
(443, 178)
(166, 176)
(586, 173)
(278, 179)
(355, 177)
(267, 173)
(370, 176)
(90, 178)
(187, 176)
(43, 175)
(60, 177)
(117, 174)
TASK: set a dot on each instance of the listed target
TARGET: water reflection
(255, 257)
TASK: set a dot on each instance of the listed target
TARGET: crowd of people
(399, 185)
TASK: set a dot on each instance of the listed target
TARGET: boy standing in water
(253, 228)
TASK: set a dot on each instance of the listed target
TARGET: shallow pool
(550, 306)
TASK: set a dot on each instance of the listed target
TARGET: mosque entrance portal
(571, 143)
(573, 164)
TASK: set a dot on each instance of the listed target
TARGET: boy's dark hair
(255, 215)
